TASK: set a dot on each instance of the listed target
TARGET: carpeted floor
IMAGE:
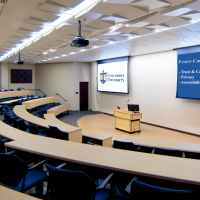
(73, 116)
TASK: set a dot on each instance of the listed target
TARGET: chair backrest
(2, 147)
(168, 152)
(22, 125)
(32, 129)
(54, 132)
(64, 184)
(12, 169)
(140, 190)
(44, 96)
(18, 89)
(11, 90)
(5, 90)
(39, 97)
(124, 145)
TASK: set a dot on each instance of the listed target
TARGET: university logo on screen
(104, 76)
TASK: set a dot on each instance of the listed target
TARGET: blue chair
(125, 145)
(44, 96)
(18, 89)
(5, 90)
(169, 152)
(64, 184)
(28, 99)
(10, 99)
(20, 97)
(15, 174)
(141, 190)
(11, 90)
(54, 132)
(39, 96)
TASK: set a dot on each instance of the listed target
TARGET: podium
(127, 120)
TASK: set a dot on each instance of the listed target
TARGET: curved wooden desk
(157, 166)
(74, 133)
(105, 139)
(181, 146)
(14, 93)
(9, 194)
(14, 100)
(59, 109)
(38, 102)
(11, 132)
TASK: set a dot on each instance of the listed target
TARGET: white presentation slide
(113, 77)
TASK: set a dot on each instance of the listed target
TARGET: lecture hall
(99, 99)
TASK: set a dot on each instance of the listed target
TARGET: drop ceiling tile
(195, 5)
(158, 19)
(119, 1)
(112, 33)
(30, 27)
(99, 24)
(16, 12)
(176, 11)
(46, 16)
(107, 8)
(138, 24)
(193, 16)
(25, 4)
(114, 18)
(68, 3)
(90, 15)
(125, 29)
(119, 38)
(142, 31)
(130, 12)
(177, 21)
(52, 8)
(146, 4)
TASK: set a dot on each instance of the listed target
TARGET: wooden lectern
(127, 120)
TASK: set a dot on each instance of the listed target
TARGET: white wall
(4, 76)
(63, 78)
(53, 78)
(152, 81)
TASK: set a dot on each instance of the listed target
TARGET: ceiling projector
(19, 62)
(79, 41)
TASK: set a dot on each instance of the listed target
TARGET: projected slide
(188, 76)
(113, 76)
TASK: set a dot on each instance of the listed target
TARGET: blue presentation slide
(188, 76)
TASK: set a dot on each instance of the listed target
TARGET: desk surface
(14, 93)
(9, 194)
(158, 166)
(59, 109)
(14, 100)
(38, 102)
(98, 136)
(12, 133)
(182, 146)
(21, 112)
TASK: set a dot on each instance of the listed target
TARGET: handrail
(61, 96)
(34, 89)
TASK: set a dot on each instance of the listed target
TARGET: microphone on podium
(125, 104)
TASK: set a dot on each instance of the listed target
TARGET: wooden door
(83, 96)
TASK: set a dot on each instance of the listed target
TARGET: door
(83, 96)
